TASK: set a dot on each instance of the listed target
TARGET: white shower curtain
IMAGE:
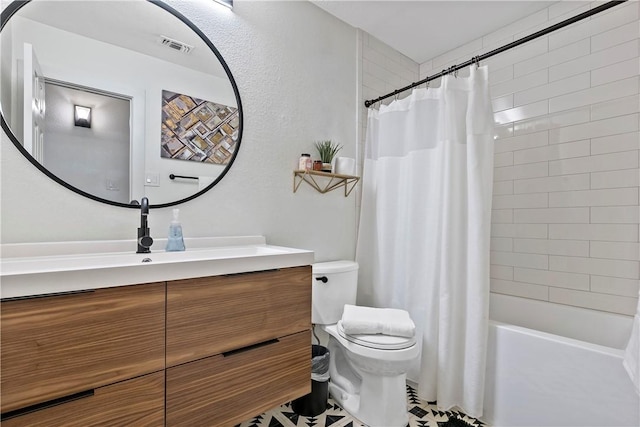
(423, 237)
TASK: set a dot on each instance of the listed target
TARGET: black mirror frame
(16, 5)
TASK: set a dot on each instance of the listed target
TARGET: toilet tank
(329, 297)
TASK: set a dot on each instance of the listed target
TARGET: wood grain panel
(224, 391)
(136, 402)
(211, 315)
(58, 345)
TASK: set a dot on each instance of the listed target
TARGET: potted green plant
(327, 151)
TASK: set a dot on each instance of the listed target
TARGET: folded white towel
(631, 360)
(368, 320)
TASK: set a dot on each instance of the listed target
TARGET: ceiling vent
(175, 44)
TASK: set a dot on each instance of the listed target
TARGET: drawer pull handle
(250, 347)
(45, 405)
(246, 273)
(55, 294)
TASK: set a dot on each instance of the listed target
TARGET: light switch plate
(152, 179)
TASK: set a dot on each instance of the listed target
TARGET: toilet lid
(378, 341)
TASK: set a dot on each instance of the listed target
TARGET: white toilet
(368, 372)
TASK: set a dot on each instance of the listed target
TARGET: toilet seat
(377, 341)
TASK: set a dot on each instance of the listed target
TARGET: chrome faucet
(144, 237)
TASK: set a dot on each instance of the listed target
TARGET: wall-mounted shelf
(324, 181)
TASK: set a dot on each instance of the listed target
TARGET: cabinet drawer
(228, 389)
(211, 315)
(138, 402)
(54, 346)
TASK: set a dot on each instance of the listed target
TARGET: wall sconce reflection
(82, 116)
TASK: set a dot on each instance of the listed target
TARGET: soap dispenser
(175, 241)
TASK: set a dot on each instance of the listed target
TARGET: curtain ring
(476, 60)
(426, 84)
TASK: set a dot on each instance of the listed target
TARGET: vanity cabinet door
(211, 315)
(139, 402)
(54, 346)
(230, 388)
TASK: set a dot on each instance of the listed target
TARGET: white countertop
(28, 269)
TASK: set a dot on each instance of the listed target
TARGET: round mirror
(117, 100)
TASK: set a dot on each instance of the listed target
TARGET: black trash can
(315, 403)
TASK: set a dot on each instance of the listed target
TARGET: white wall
(565, 208)
(295, 66)
(383, 70)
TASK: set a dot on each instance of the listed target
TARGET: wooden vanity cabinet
(56, 346)
(229, 388)
(237, 345)
(135, 402)
(211, 315)
(211, 351)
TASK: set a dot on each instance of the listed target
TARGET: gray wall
(96, 159)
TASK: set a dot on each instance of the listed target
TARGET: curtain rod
(477, 59)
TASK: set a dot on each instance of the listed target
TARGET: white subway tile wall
(566, 215)
(565, 222)
(566, 209)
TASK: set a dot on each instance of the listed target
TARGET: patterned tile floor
(421, 414)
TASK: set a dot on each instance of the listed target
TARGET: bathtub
(555, 365)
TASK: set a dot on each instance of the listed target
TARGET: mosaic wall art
(198, 130)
